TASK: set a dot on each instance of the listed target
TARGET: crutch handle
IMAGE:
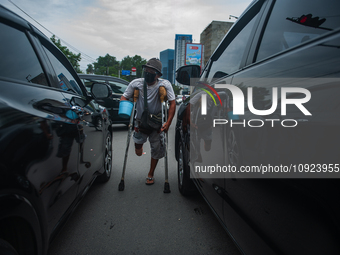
(162, 94)
(135, 95)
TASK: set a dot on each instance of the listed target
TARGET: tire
(185, 185)
(177, 141)
(104, 177)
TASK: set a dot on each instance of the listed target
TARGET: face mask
(150, 77)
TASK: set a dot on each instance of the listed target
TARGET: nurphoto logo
(239, 105)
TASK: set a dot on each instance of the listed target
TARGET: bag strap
(145, 89)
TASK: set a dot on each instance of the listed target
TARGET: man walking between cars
(152, 74)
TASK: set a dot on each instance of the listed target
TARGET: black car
(50, 150)
(259, 137)
(118, 87)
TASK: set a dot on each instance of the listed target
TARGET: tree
(90, 69)
(73, 58)
(177, 89)
(136, 61)
(107, 65)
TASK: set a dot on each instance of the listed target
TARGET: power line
(84, 56)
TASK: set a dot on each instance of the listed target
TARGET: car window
(117, 88)
(292, 23)
(21, 62)
(61, 67)
(230, 60)
(88, 83)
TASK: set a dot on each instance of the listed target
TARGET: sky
(123, 28)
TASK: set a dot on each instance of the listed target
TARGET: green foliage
(90, 69)
(107, 65)
(73, 58)
(177, 89)
(136, 61)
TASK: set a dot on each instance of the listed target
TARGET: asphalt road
(141, 219)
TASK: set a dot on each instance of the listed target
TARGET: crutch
(163, 98)
(135, 97)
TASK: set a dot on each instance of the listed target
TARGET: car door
(89, 141)
(38, 129)
(277, 212)
(205, 141)
(216, 151)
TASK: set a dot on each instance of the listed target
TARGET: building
(179, 60)
(212, 36)
(167, 59)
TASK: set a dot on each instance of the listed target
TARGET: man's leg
(157, 152)
(139, 138)
(139, 149)
(152, 167)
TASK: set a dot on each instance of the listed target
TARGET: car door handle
(49, 107)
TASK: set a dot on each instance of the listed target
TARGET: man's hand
(165, 127)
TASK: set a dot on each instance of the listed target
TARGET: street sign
(126, 72)
(134, 70)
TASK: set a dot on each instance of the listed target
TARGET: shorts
(155, 139)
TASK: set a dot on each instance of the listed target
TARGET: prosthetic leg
(163, 98)
(121, 185)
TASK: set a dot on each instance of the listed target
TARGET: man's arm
(122, 98)
(128, 93)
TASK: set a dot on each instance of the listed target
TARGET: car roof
(105, 77)
(7, 15)
(13, 17)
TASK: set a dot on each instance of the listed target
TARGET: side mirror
(75, 101)
(101, 91)
(185, 73)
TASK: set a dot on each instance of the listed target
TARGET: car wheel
(185, 184)
(99, 124)
(177, 141)
(104, 177)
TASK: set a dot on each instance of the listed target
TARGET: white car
(179, 99)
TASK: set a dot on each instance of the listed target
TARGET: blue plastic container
(125, 109)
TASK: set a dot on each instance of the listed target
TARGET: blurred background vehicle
(179, 99)
(118, 87)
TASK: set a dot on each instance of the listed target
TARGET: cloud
(121, 28)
